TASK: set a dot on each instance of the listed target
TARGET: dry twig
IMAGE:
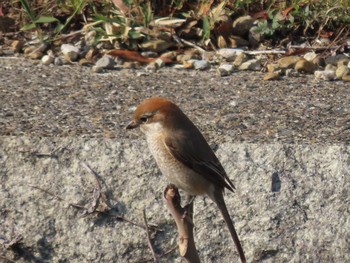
(149, 241)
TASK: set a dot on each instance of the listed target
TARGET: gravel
(71, 100)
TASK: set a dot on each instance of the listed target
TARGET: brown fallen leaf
(130, 55)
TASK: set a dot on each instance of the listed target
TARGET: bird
(183, 155)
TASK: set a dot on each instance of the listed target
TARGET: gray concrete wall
(292, 202)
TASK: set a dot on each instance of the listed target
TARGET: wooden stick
(184, 224)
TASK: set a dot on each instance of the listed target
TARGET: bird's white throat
(151, 129)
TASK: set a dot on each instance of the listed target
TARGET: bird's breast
(175, 171)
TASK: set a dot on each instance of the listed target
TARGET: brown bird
(183, 155)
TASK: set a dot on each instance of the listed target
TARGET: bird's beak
(132, 125)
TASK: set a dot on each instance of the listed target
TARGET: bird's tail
(219, 200)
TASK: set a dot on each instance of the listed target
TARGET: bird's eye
(143, 119)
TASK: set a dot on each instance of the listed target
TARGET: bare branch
(184, 224)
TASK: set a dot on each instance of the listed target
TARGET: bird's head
(154, 115)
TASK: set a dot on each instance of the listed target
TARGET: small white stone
(47, 60)
(159, 63)
(252, 64)
(325, 74)
(152, 67)
(97, 69)
(334, 59)
(201, 64)
(105, 62)
(70, 51)
(58, 61)
(225, 70)
(310, 56)
(229, 53)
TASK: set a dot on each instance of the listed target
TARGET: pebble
(331, 67)
(341, 72)
(201, 64)
(70, 52)
(271, 76)
(306, 66)
(310, 56)
(325, 74)
(252, 64)
(35, 55)
(29, 49)
(334, 59)
(106, 62)
(91, 53)
(84, 62)
(159, 63)
(272, 67)
(236, 41)
(131, 65)
(97, 69)
(346, 78)
(242, 25)
(229, 53)
(151, 67)
(288, 62)
(58, 61)
(47, 59)
(319, 61)
(225, 70)
(17, 46)
(342, 62)
(241, 58)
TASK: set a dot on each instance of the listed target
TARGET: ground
(72, 101)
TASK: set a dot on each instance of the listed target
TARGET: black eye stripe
(144, 118)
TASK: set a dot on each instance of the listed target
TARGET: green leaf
(28, 27)
(26, 7)
(134, 34)
(206, 28)
(46, 19)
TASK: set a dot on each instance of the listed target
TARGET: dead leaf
(287, 11)
(326, 34)
(121, 6)
(130, 55)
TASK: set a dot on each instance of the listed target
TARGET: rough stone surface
(291, 202)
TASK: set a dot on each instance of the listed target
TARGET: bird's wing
(191, 149)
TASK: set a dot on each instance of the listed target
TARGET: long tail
(219, 200)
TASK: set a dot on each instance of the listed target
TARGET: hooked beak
(132, 125)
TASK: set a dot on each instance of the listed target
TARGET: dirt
(71, 100)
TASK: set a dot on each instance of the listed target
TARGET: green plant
(37, 21)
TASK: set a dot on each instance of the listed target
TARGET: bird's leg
(189, 202)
